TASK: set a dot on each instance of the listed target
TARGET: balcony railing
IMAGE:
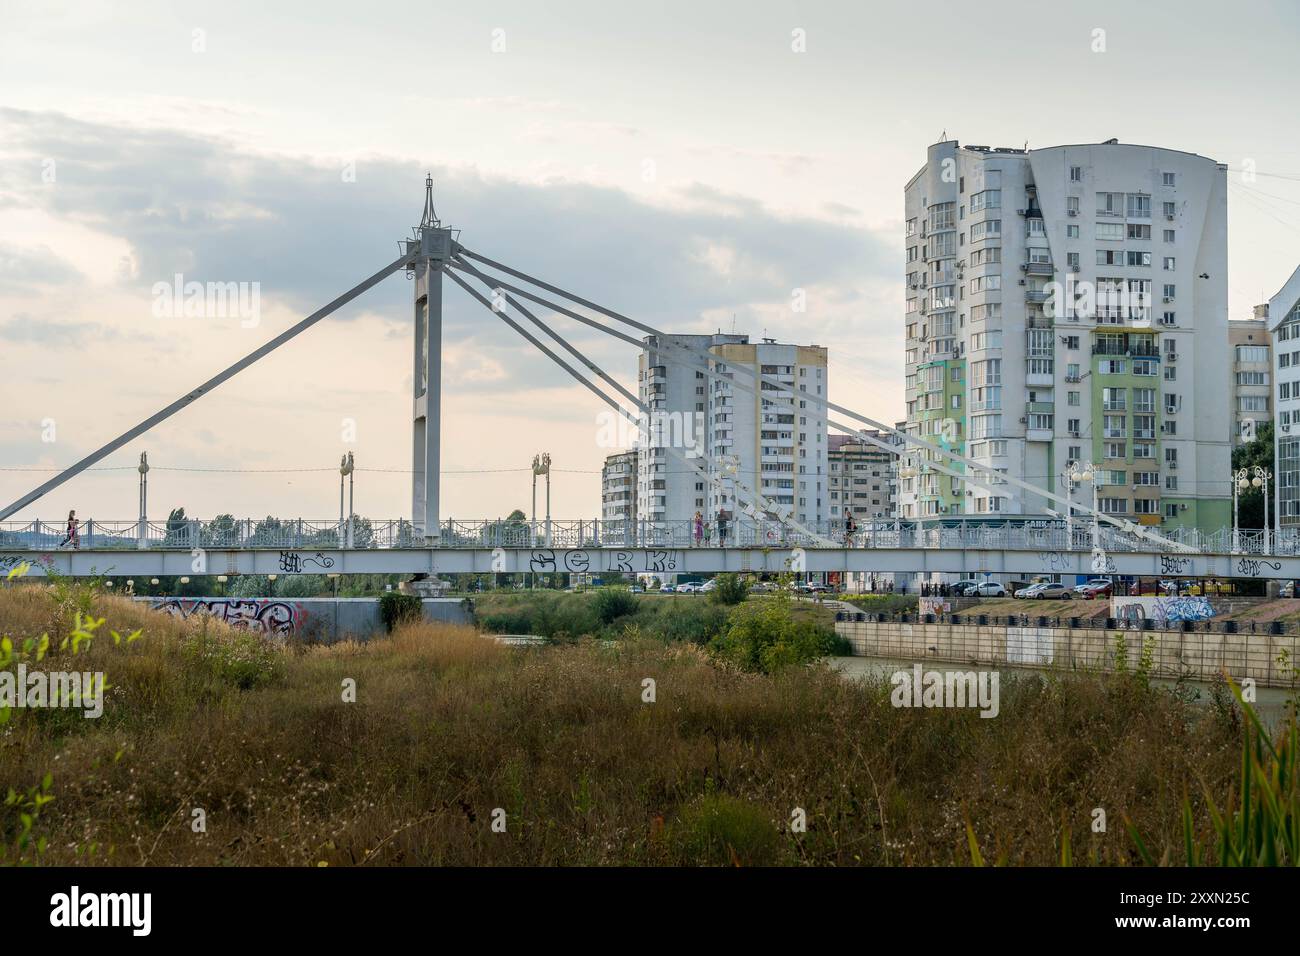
(300, 534)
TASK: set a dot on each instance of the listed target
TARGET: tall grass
(449, 730)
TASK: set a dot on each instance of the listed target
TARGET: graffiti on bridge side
(293, 562)
(579, 561)
(1254, 567)
(268, 616)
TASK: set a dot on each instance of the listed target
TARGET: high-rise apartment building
(618, 493)
(1284, 324)
(862, 479)
(773, 442)
(1069, 304)
(1250, 348)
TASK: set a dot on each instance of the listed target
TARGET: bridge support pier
(433, 247)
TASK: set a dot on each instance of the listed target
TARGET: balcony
(1037, 295)
(1125, 349)
(1039, 268)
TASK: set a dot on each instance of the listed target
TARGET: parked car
(1029, 592)
(687, 587)
(636, 589)
(990, 589)
(965, 587)
(1094, 589)
(816, 589)
(1053, 590)
(710, 585)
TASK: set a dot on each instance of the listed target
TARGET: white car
(1030, 591)
(708, 585)
(990, 589)
(687, 588)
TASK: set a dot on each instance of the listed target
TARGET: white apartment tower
(773, 441)
(1069, 304)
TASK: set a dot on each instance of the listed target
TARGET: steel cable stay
(702, 356)
(756, 501)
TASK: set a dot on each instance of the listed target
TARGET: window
(1137, 231)
(1169, 291)
(1252, 378)
(988, 199)
(1072, 205)
(988, 229)
(1072, 260)
(1071, 232)
(1169, 235)
(1072, 398)
(1252, 353)
(1110, 257)
(1076, 174)
(1169, 210)
(1110, 204)
(1110, 232)
(1169, 263)
(1144, 367)
(1140, 258)
(1166, 179)
(1114, 449)
(1139, 206)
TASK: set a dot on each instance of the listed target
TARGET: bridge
(286, 547)
(763, 537)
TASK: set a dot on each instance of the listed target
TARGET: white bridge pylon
(434, 250)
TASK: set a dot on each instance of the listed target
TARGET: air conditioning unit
(1171, 356)
(1074, 434)
(1020, 212)
(1168, 298)
(1170, 218)
(1074, 212)
(1172, 464)
(1024, 267)
(1022, 281)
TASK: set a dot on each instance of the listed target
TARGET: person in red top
(72, 531)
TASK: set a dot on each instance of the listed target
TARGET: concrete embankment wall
(306, 619)
(1197, 655)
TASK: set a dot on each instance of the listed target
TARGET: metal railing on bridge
(229, 533)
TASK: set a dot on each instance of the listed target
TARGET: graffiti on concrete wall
(260, 615)
(1162, 608)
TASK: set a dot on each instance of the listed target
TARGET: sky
(688, 164)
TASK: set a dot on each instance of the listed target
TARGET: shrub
(721, 830)
(396, 608)
(730, 589)
(235, 658)
(763, 636)
(614, 602)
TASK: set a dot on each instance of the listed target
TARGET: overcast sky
(683, 163)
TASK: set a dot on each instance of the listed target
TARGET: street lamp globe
(1256, 481)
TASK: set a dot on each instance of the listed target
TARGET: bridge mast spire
(430, 248)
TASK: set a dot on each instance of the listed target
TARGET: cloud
(24, 268)
(207, 208)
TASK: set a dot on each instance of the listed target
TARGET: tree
(176, 525)
(1259, 452)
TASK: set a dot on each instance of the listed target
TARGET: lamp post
(1243, 479)
(142, 535)
(1087, 471)
(1067, 479)
(345, 475)
(542, 466)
